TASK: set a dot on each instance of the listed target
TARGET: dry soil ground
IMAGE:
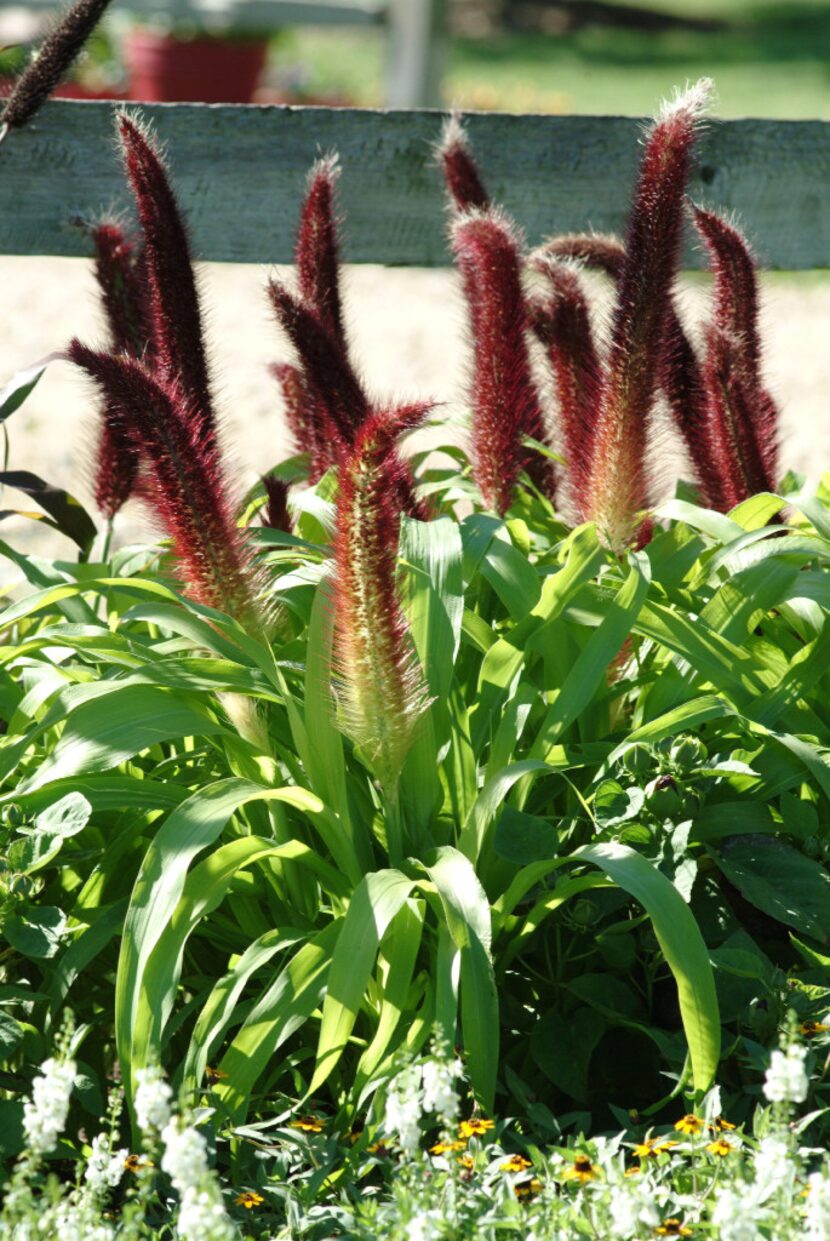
(407, 328)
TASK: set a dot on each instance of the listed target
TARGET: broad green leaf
(376, 900)
(203, 890)
(20, 385)
(780, 881)
(194, 825)
(286, 1005)
(468, 918)
(67, 514)
(103, 733)
(399, 952)
(681, 943)
(511, 575)
(588, 672)
(218, 1010)
(36, 931)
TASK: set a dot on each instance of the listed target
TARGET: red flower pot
(163, 69)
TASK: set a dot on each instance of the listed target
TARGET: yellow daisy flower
(516, 1163)
(581, 1170)
(475, 1127)
(249, 1199)
(689, 1123)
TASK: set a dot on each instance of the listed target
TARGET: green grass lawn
(773, 60)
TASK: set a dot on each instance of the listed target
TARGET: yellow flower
(475, 1127)
(441, 1148)
(249, 1199)
(308, 1124)
(672, 1228)
(809, 1029)
(214, 1075)
(652, 1147)
(383, 1149)
(528, 1189)
(689, 1123)
(633, 1170)
(467, 1162)
(516, 1163)
(721, 1125)
(720, 1147)
(581, 1170)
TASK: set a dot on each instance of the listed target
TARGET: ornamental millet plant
(615, 492)
(381, 691)
(159, 406)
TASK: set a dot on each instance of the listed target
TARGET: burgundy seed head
(464, 184)
(505, 402)
(185, 490)
(381, 690)
(335, 390)
(736, 321)
(616, 491)
(275, 514)
(317, 250)
(51, 62)
(562, 322)
(599, 251)
(176, 321)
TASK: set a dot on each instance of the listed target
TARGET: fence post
(417, 49)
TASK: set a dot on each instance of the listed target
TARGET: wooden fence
(239, 172)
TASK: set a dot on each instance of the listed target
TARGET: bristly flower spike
(317, 250)
(680, 375)
(51, 62)
(176, 320)
(381, 690)
(461, 175)
(184, 487)
(337, 398)
(616, 490)
(736, 347)
(119, 273)
(505, 402)
(563, 324)
(274, 513)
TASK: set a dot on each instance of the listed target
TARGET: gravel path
(407, 328)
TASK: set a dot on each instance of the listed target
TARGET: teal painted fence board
(240, 172)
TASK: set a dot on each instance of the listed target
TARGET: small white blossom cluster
(422, 1089)
(44, 1115)
(185, 1155)
(440, 1093)
(817, 1213)
(104, 1167)
(152, 1100)
(786, 1079)
(403, 1108)
(202, 1215)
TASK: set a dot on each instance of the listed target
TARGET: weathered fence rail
(240, 171)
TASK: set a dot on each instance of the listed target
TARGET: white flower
(44, 1115)
(425, 1226)
(774, 1168)
(440, 1095)
(735, 1215)
(817, 1214)
(403, 1108)
(185, 1155)
(152, 1100)
(786, 1079)
(631, 1205)
(103, 1168)
(202, 1217)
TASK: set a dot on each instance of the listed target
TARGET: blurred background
(769, 58)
